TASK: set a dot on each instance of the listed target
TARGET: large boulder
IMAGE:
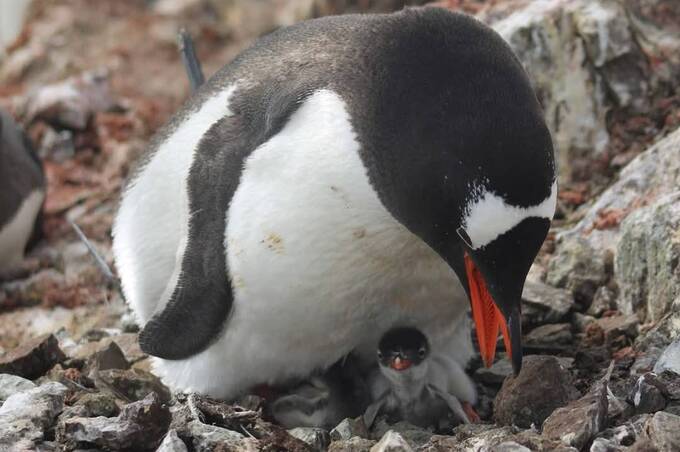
(632, 225)
(586, 58)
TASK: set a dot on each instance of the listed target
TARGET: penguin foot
(472, 415)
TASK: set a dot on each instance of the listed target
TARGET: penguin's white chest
(313, 255)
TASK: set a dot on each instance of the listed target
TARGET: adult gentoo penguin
(22, 191)
(342, 176)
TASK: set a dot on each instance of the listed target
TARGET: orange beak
(400, 364)
(488, 318)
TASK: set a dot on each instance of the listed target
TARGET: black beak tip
(515, 330)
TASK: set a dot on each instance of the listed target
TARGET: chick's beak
(489, 320)
(399, 363)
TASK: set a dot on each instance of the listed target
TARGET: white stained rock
(584, 59)
(392, 442)
(12, 384)
(646, 191)
(669, 359)
(26, 415)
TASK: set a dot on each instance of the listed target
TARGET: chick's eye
(380, 355)
(421, 353)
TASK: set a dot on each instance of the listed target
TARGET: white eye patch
(489, 216)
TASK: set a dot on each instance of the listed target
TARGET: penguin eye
(422, 352)
(380, 355)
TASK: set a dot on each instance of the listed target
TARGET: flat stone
(140, 425)
(354, 444)
(207, 438)
(97, 404)
(392, 442)
(669, 359)
(662, 431)
(33, 358)
(132, 384)
(172, 443)
(348, 428)
(109, 357)
(617, 326)
(542, 303)
(550, 334)
(318, 438)
(578, 422)
(542, 386)
(26, 416)
(496, 374)
(510, 446)
(415, 436)
(648, 394)
(11, 384)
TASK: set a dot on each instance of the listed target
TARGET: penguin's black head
(460, 154)
(402, 348)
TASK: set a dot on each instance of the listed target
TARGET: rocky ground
(92, 80)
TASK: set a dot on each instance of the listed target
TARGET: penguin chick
(22, 192)
(416, 385)
(324, 400)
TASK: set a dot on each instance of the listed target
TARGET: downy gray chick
(416, 385)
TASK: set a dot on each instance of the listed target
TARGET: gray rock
(603, 300)
(669, 359)
(619, 325)
(509, 446)
(206, 438)
(33, 358)
(132, 384)
(11, 384)
(577, 423)
(318, 438)
(172, 443)
(548, 335)
(581, 321)
(348, 428)
(619, 438)
(542, 303)
(97, 404)
(496, 374)
(392, 442)
(414, 435)
(648, 394)
(354, 444)
(582, 252)
(542, 386)
(583, 60)
(140, 425)
(469, 437)
(578, 268)
(647, 261)
(109, 357)
(662, 431)
(25, 416)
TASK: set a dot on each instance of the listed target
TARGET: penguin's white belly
(15, 234)
(318, 266)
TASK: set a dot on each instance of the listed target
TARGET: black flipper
(202, 299)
